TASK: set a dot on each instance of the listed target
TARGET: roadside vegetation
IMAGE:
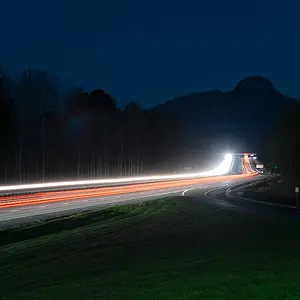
(166, 249)
(279, 190)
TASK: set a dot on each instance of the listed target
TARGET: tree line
(49, 134)
(280, 148)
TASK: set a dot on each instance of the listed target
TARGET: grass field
(166, 249)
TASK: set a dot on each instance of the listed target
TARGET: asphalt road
(218, 197)
(10, 216)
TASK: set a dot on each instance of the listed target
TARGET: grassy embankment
(167, 249)
(279, 190)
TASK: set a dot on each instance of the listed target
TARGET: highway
(38, 205)
(78, 201)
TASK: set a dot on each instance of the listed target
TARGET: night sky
(151, 51)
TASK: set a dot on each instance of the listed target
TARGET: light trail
(49, 197)
(222, 169)
(247, 165)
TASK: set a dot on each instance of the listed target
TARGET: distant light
(225, 166)
(228, 156)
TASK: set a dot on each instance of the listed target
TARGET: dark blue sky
(151, 51)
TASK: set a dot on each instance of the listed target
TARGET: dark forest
(48, 134)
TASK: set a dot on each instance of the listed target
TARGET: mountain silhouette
(255, 84)
(235, 120)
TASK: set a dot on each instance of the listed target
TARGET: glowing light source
(229, 156)
(225, 166)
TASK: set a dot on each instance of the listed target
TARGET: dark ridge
(238, 118)
(255, 84)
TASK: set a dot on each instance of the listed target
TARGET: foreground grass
(167, 249)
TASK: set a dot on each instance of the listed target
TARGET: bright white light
(222, 169)
(225, 166)
(228, 156)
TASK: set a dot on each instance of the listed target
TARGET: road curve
(28, 208)
(218, 197)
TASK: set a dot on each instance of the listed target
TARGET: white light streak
(225, 166)
(222, 169)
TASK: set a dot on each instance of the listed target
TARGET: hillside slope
(234, 120)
